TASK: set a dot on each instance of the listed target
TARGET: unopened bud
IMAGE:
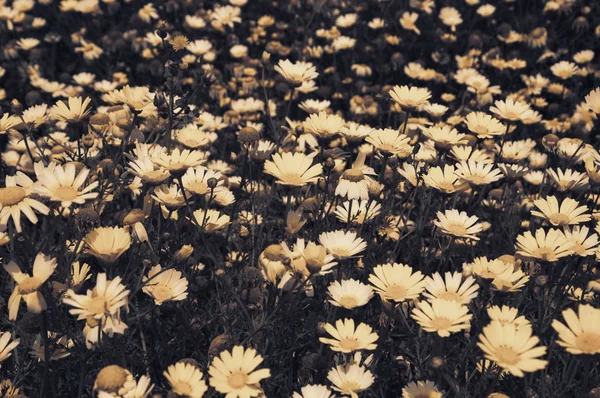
(183, 253)
(550, 141)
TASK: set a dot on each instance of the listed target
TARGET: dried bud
(329, 164)
(541, 280)
(87, 219)
(550, 141)
(437, 363)
(212, 182)
(162, 32)
(244, 231)
(87, 141)
(16, 107)
(100, 119)
(111, 379)
(248, 135)
(219, 343)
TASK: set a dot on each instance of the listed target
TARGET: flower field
(299, 198)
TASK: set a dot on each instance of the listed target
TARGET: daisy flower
(195, 180)
(293, 169)
(28, 287)
(347, 338)
(354, 182)
(510, 110)
(167, 285)
(6, 346)
(323, 125)
(185, 380)
(397, 282)
(146, 170)
(445, 180)
(512, 348)
(313, 391)
(342, 244)
(211, 220)
(458, 224)
(510, 280)
(568, 212)
(234, 373)
(477, 173)
(14, 200)
(62, 184)
(298, 72)
(421, 389)
(582, 244)
(105, 300)
(410, 98)
(349, 293)
(360, 211)
(169, 195)
(178, 161)
(442, 317)
(592, 101)
(506, 314)
(452, 287)
(351, 379)
(545, 246)
(107, 243)
(445, 136)
(581, 334)
(75, 111)
(7, 122)
(568, 180)
(390, 142)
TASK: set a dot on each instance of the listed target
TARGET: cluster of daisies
(305, 199)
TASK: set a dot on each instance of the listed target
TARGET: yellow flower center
(350, 386)
(161, 292)
(199, 188)
(29, 285)
(10, 196)
(183, 388)
(348, 301)
(446, 187)
(507, 355)
(238, 380)
(350, 344)
(396, 292)
(440, 323)
(65, 194)
(154, 176)
(559, 219)
(353, 175)
(450, 296)
(97, 306)
(292, 179)
(456, 229)
(588, 342)
(476, 179)
(544, 253)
